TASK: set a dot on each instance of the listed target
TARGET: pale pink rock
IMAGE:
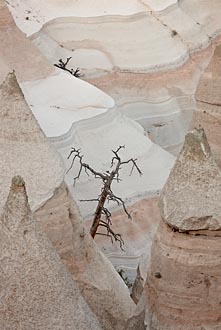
(208, 88)
(36, 291)
(183, 286)
(208, 101)
(100, 284)
(191, 197)
(18, 52)
(24, 149)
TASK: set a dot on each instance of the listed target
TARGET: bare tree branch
(63, 65)
(77, 154)
(89, 200)
(102, 216)
(112, 235)
(119, 201)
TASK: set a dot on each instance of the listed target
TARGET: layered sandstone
(17, 51)
(26, 150)
(101, 286)
(48, 90)
(182, 290)
(183, 286)
(36, 291)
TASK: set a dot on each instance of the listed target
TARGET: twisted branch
(63, 65)
(102, 216)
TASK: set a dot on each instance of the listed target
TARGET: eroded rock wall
(208, 97)
(182, 289)
(36, 291)
(101, 286)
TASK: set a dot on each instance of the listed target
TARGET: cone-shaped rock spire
(36, 292)
(24, 148)
(183, 283)
(191, 198)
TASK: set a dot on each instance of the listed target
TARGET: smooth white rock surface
(62, 99)
(41, 11)
(133, 43)
(157, 5)
(96, 137)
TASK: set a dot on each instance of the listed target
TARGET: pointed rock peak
(191, 197)
(196, 145)
(36, 291)
(10, 86)
(16, 210)
(17, 182)
(23, 146)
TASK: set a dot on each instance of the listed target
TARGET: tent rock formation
(183, 285)
(25, 147)
(101, 286)
(191, 198)
(36, 291)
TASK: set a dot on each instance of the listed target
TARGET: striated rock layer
(25, 150)
(36, 291)
(17, 51)
(183, 286)
(191, 197)
(100, 284)
(48, 90)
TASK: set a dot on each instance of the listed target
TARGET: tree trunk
(98, 212)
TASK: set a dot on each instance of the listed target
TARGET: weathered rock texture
(208, 97)
(191, 198)
(210, 81)
(183, 286)
(36, 291)
(24, 149)
(141, 276)
(18, 52)
(101, 286)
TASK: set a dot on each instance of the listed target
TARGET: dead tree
(63, 65)
(102, 216)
